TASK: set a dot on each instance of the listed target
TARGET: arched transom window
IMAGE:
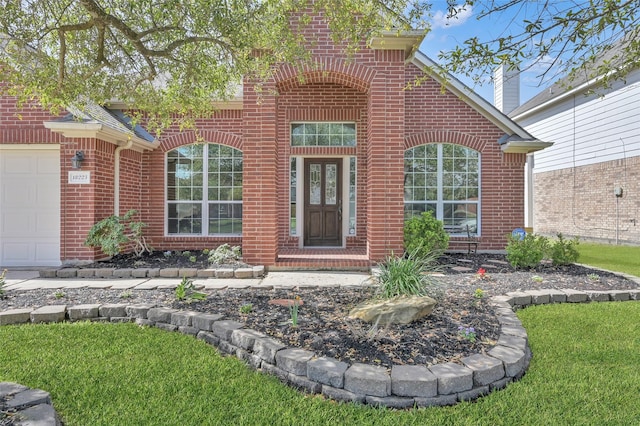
(204, 190)
(444, 179)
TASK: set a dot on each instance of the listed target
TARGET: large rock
(397, 310)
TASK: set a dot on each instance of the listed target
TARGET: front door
(323, 202)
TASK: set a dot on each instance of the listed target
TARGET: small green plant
(593, 277)
(186, 253)
(113, 233)
(205, 251)
(225, 254)
(526, 252)
(186, 291)
(563, 251)
(479, 294)
(193, 259)
(2, 283)
(127, 294)
(537, 278)
(407, 276)
(425, 235)
(468, 333)
(246, 308)
(293, 311)
(59, 294)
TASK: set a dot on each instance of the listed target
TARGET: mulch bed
(323, 326)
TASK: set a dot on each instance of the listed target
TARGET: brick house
(317, 172)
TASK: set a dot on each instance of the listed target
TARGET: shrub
(112, 233)
(225, 254)
(564, 252)
(424, 235)
(526, 252)
(408, 276)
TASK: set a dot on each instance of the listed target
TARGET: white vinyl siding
(589, 129)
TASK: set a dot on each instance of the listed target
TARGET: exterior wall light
(77, 159)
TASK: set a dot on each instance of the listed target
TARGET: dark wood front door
(323, 202)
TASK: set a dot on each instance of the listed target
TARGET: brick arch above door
(204, 136)
(326, 70)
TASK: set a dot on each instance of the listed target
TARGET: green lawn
(614, 258)
(584, 371)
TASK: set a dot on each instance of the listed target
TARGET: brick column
(260, 160)
(385, 159)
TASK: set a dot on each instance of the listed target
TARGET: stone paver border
(29, 406)
(401, 387)
(248, 272)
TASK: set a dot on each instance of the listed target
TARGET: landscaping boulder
(397, 310)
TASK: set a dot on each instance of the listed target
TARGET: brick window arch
(204, 190)
(444, 178)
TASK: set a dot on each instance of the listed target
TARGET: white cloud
(442, 20)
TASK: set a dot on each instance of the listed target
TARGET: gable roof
(578, 83)
(516, 138)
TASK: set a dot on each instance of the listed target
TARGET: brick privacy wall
(580, 201)
(434, 116)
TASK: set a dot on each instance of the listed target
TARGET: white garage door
(30, 207)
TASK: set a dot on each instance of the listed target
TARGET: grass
(584, 371)
(610, 257)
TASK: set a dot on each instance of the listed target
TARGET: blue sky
(447, 33)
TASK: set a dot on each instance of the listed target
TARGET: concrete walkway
(30, 280)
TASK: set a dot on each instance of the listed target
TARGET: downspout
(116, 175)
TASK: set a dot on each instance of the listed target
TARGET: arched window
(204, 190)
(444, 179)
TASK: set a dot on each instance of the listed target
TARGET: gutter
(116, 175)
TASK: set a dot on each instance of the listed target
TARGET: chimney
(506, 89)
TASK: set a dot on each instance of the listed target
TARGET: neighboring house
(318, 172)
(588, 183)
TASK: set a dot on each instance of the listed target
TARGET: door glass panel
(315, 184)
(331, 184)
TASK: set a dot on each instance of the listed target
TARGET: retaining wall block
(500, 384)
(245, 338)
(485, 369)
(243, 273)
(473, 394)
(141, 321)
(452, 378)
(338, 394)
(208, 337)
(139, 273)
(598, 296)
(67, 273)
(514, 342)
(513, 359)
(52, 313)
(86, 273)
(113, 311)
(502, 300)
(267, 348)
(258, 271)
(153, 272)
(188, 272)
(166, 326)
(413, 380)
(160, 314)
(634, 294)
(126, 319)
(224, 273)
(183, 318)
(557, 296)
(104, 272)
(437, 401)
(83, 312)
(294, 360)
(620, 295)
(224, 328)
(520, 298)
(206, 273)
(252, 360)
(390, 401)
(205, 321)
(15, 316)
(185, 329)
(48, 273)
(328, 371)
(575, 296)
(539, 297)
(41, 414)
(28, 398)
(168, 273)
(269, 368)
(367, 379)
(122, 273)
(138, 311)
(304, 383)
(514, 330)
(227, 347)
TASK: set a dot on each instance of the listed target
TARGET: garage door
(29, 207)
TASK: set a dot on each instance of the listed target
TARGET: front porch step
(321, 259)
